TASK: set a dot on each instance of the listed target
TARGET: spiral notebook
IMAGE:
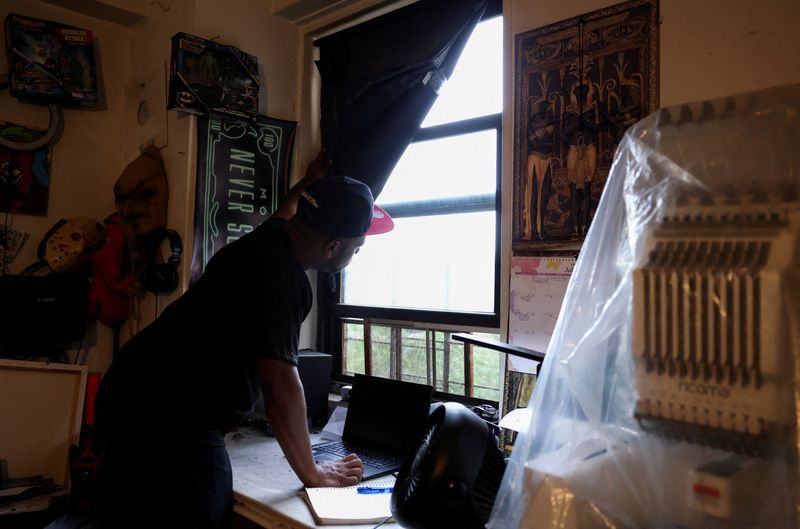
(345, 505)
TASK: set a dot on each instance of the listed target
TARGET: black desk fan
(450, 480)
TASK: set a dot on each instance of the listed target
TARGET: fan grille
(487, 482)
(419, 466)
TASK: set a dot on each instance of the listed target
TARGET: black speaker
(163, 278)
(37, 312)
(451, 478)
(314, 369)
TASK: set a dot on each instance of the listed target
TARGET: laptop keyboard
(368, 457)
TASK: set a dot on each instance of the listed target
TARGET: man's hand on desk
(340, 473)
(285, 405)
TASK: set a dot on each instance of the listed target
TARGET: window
(437, 273)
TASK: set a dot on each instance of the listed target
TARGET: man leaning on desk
(178, 386)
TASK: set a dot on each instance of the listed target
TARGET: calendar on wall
(538, 286)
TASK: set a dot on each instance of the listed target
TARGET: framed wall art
(579, 84)
(24, 175)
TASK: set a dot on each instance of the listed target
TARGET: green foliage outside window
(418, 350)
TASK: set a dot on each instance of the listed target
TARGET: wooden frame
(435, 351)
(42, 406)
(579, 84)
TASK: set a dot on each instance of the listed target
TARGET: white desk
(265, 488)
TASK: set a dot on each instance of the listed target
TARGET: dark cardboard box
(209, 77)
(50, 62)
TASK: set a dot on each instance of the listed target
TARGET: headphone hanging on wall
(163, 278)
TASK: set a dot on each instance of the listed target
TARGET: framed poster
(517, 391)
(24, 175)
(242, 174)
(579, 84)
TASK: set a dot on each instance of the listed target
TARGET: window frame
(450, 206)
(454, 333)
(332, 312)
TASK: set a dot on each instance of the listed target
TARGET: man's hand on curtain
(316, 170)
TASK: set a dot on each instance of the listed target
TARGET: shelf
(503, 347)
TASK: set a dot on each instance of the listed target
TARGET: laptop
(385, 418)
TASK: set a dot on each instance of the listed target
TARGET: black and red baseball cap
(342, 207)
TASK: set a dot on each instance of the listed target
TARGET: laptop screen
(386, 415)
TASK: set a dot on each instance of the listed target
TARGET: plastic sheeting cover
(587, 459)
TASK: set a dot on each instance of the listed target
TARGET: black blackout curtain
(380, 79)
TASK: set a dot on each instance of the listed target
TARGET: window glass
(424, 356)
(353, 351)
(486, 369)
(476, 86)
(460, 165)
(452, 380)
(441, 256)
(444, 262)
(381, 350)
(414, 359)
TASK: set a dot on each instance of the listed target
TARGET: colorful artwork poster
(579, 85)
(242, 173)
(24, 175)
(517, 391)
(51, 63)
(538, 286)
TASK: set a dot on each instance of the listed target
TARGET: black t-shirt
(195, 365)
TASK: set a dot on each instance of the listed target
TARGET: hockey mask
(141, 195)
(70, 243)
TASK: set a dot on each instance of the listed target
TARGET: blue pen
(374, 490)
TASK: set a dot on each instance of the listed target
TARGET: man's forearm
(286, 411)
(317, 169)
(284, 403)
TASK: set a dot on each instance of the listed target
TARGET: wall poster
(517, 391)
(242, 173)
(579, 84)
(24, 175)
